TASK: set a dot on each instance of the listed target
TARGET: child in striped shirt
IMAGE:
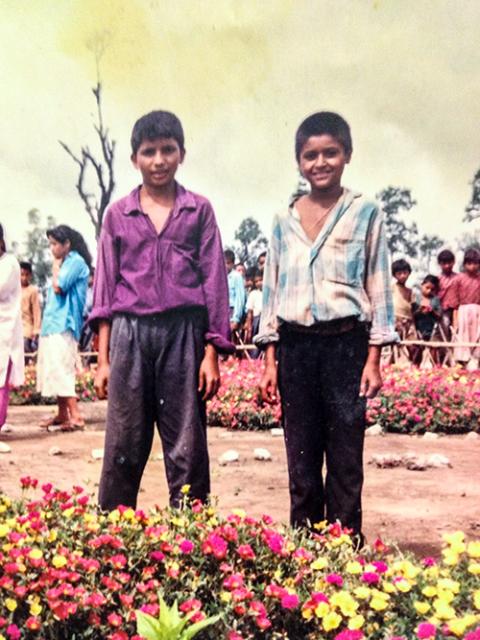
(327, 302)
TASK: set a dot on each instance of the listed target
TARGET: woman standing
(62, 325)
(11, 333)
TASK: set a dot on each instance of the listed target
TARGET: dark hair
(157, 124)
(229, 255)
(262, 255)
(2, 239)
(445, 256)
(323, 122)
(251, 273)
(64, 233)
(433, 280)
(26, 266)
(401, 265)
(471, 255)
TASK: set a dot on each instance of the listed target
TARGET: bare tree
(95, 203)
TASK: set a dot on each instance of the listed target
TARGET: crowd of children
(445, 308)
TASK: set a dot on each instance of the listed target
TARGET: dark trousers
(154, 365)
(323, 418)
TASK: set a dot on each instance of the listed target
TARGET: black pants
(324, 417)
(154, 365)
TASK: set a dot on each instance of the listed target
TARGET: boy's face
(229, 265)
(401, 276)
(158, 161)
(261, 262)
(25, 277)
(429, 289)
(258, 282)
(322, 161)
(241, 269)
(471, 267)
(447, 267)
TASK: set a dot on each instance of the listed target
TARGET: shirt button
(162, 401)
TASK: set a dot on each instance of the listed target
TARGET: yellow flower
(322, 609)
(114, 516)
(240, 513)
(474, 568)
(331, 621)
(11, 604)
(458, 626)
(421, 607)
(35, 554)
(389, 587)
(320, 526)
(186, 489)
(353, 567)
(378, 604)
(449, 585)
(476, 599)
(429, 591)
(443, 610)
(35, 609)
(356, 622)
(319, 564)
(363, 593)
(450, 557)
(225, 596)
(52, 535)
(307, 614)
(431, 573)
(473, 549)
(4, 530)
(454, 538)
(69, 512)
(345, 603)
(403, 585)
(128, 514)
(445, 596)
(59, 561)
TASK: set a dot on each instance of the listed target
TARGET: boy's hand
(209, 374)
(268, 384)
(371, 381)
(101, 381)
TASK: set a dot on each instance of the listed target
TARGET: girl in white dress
(11, 333)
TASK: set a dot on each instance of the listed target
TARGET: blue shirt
(236, 296)
(64, 311)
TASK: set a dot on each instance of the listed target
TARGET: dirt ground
(412, 508)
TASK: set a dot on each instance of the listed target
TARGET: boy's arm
(102, 374)
(378, 290)
(106, 276)
(36, 313)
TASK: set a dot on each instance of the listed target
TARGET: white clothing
(11, 330)
(57, 364)
(254, 302)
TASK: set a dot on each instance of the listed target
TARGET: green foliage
(37, 248)
(170, 625)
(250, 241)
(472, 210)
(401, 237)
(428, 246)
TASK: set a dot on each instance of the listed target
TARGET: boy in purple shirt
(161, 310)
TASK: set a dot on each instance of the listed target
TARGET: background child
(161, 306)
(31, 312)
(236, 292)
(402, 299)
(466, 304)
(446, 261)
(11, 340)
(426, 307)
(62, 324)
(254, 307)
(328, 303)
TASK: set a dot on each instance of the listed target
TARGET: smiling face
(158, 161)
(322, 161)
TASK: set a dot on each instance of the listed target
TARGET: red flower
(114, 620)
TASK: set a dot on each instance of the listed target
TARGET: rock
(7, 428)
(470, 436)
(55, 451)
(97, 454)
(229, 456)
(386, 460)
(438, 461)
(417, 463)
(374, 430)
(276, 432)
(430, 436)
(262, 454)
(5, 448)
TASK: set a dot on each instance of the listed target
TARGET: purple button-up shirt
(141, 272)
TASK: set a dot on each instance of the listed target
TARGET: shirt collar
(183, 200)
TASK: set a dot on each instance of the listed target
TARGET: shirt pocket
(183, 269)
(343, 261)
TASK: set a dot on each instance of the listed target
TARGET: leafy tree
(428, 245)
(37, 249)
(473, 207)
(401, 237)
(250, 241)
(469, 241)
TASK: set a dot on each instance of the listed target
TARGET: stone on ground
(430, 436)
(97, 454)
(229, 456)
(262, 454)
(437, 461)
(5, 448)
(276, 432)
(55, 451)
(374, 430)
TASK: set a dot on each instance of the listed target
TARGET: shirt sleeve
(377, 283)
(36, 312)
(71, 270)
(268, 330)
(106, 275)
(214, 283)
(240, 299)
(455, 293)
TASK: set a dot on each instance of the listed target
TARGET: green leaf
(148, 626)
(195, 628)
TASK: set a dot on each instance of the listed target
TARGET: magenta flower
(290, 601)
(426, 630)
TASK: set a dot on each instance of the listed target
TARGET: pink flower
(215, 545)
(349, 634)
(186, 546)
(114, 620)
(426, 630)
(13, 632)
(334, 578)
(245, 551)
(370, 578)
(290, 601)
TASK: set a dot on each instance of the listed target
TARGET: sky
(242, 76)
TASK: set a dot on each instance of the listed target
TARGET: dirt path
(411, 507)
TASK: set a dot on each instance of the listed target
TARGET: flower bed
(70, 571)
(28, 394)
